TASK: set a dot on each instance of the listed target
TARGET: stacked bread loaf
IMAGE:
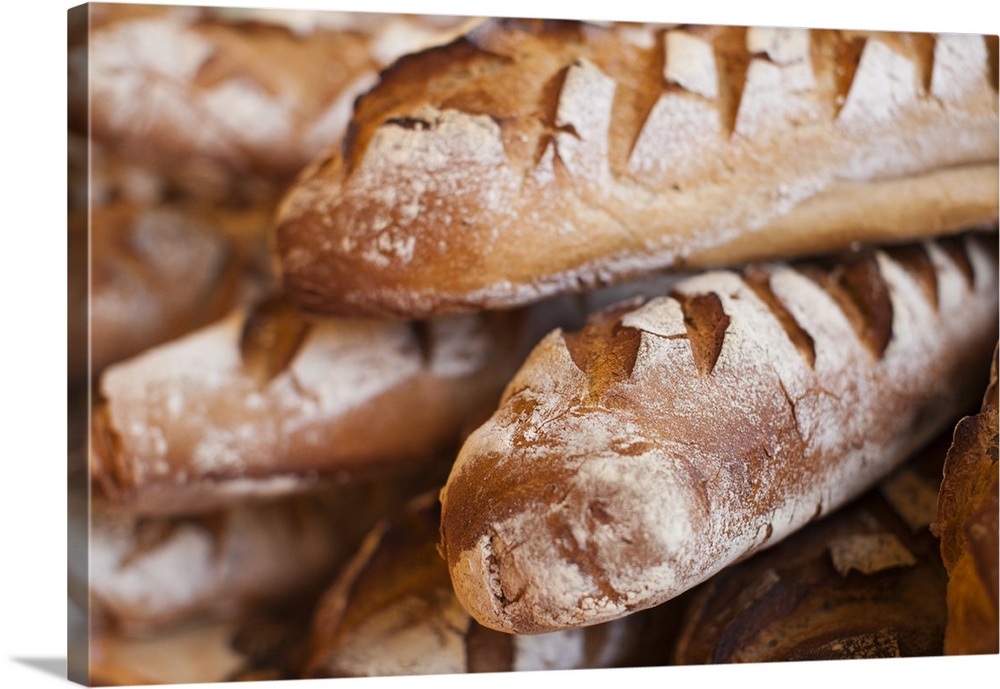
(633, 302)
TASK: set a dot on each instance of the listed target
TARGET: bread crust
(864, 582)
(535, 157)
(219, 94)
(632, 460)
(146, 576)
(392, 611)
(157, 272)
(967, 524)
(269, 401)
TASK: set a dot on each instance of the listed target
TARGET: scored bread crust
(534, 157)
(634, 459)
(222, 92)
(270, 401)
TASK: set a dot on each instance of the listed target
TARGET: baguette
(158, 272)
(147, 576)
(535, 157)
(864, 582)
(270, 400)
(968, 505)
(634, 459)
(217, 97)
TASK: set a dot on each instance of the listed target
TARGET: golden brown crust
(605, 483)
(271, 400)
(967, 524)
(218, 94)
(159, 271)
(533, 157)
(864, 582)
(149, 262)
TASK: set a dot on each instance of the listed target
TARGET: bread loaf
(534, 157)
(270, 400)
(220, 96)
(967, 517)
(392, 611)
(145, 576)
(242, 581)
(159, 271)
(632, 460)
(864, 582)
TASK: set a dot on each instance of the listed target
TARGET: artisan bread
(968, 506)
(221, 96)
(149, 262)
(392, 611)
(145, 576)
(159, 271)
(271, 400)
(864, 582)
(236, 408)
(533, 157)
(632, 460)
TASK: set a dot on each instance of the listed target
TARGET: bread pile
(433, 345)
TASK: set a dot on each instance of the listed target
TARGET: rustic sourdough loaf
(631, 460)
(535, 157)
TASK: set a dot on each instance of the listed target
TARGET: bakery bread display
(535, 157)
(642, 307)
(967, 525)
(864, 582)
(270, 400)
(632, 460)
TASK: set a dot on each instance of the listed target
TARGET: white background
(33, 318)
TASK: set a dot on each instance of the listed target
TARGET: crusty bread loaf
(864, 582)
(968, 506)
(392, 611)
(157, 272)
(533, 157)
(217, 596)
(634, 459)
(214, 95)
(271, 400)
(143, 576)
